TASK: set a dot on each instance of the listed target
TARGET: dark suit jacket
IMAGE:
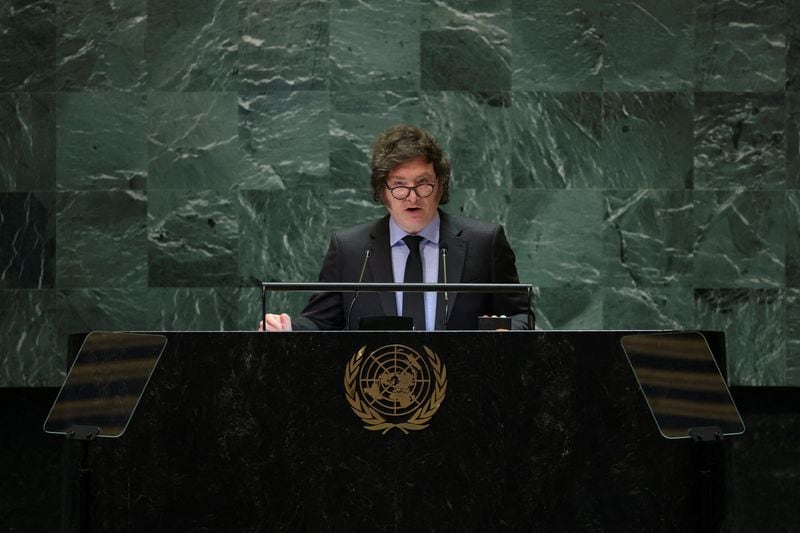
(476, 253)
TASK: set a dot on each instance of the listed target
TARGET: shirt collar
(429, 232)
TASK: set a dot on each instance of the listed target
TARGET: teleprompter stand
(99, 396)
(687, 396)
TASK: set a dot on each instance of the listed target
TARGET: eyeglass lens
(401, 192)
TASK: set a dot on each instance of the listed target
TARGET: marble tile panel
(28, 42)
(101, 141)
(192, 46)
(465, 45)
(193, 141)
(740, 46)
(648, 307)
(193, 309)
(27, 141)
(740, 240)
(649, 238)
(472, 128)
(793, 46)
(556, 140)
(793, 239)
(649, 45)
(557, 45)
(793, 337)
(755, 336)
(193, 150)
(283, 45)
(284, 136)
(739, 141)
(347, 207)
(104, 309)
(647, 140)
(344, 208)
(375, 45)
(101, 240)
(793, 139)
(492, 206)
(573, 308)
(357, 118)
(283, 235)
(193, 239)
(557, 237)
(154, 309)
(100, 46)
(28, 237)
(29, 356)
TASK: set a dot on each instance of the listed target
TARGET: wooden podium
(530, 431)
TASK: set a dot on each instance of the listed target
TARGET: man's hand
(281, 322)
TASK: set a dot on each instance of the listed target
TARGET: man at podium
(415, 242)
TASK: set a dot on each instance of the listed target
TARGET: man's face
(413, 213)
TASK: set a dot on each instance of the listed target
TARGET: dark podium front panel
(537, 431)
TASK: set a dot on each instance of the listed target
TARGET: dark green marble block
(159, 159)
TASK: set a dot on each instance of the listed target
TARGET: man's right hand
(281, 322)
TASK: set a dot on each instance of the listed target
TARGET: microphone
(367, 254)
(443, 251)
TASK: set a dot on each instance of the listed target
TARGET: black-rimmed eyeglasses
(401, 192)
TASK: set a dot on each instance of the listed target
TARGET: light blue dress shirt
(430, 264)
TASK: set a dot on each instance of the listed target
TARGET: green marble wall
(158, 159)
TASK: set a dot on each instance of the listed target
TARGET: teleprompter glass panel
(682, 384)
(105, 383)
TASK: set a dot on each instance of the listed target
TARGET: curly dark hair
(402, 143)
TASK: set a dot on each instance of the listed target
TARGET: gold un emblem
(395, 387)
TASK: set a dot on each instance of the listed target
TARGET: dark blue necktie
(414, 302)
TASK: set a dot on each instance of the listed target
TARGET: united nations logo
(395, 387)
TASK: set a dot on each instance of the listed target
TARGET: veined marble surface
(557, 46)
(283, 45)
(27, 141)
(740, 141)
(740, 46)
(101, 141)
(159, 159)
(101, 46)
(28, 231)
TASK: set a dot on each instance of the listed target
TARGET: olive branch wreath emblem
(372, 418)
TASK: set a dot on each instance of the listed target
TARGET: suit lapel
(380, 266)
(449, 238)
